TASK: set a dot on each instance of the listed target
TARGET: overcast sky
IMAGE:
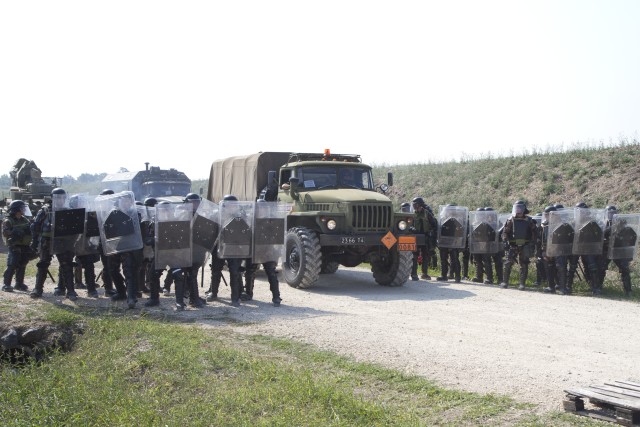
(89, 87)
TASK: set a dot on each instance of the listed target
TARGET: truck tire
(393, 270)
(329, 267)
(302, 258)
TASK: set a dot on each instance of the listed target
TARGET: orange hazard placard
(389, 240)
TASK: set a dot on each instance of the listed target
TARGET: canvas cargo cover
(243, 176)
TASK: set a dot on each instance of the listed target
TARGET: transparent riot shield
(67, 223)
(89, 241)
(623, 241)
(119, 223)
(172, 236)
(236, 219)
(205, 228)
(452, 226)
(483, 232)
(589, 231)
(147, 220)
(561, 233)
(270, 225)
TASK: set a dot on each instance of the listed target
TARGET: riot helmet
(58, 198)
(139, 203)
(106, 192)
(17, 206)
(519, 208)
(582, 205)
(74, 201)
(230, 198)
(611, 211)
(150, 202)
(545, 214)
(487, 208)
(192, 197)
(419, 201)
(405, 207)
(558, 206)
(58, 191)
(480, 209)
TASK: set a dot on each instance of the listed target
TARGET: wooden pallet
(618, 402)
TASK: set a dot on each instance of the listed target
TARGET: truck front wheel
(302, 258)
(392, 269)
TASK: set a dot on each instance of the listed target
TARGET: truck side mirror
(294, 183)
(390, 178)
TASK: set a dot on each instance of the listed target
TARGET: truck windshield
(157, 189)
(317, 178)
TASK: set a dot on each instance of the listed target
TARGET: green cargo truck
(339, 216)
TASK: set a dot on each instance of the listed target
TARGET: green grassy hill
(597, 176)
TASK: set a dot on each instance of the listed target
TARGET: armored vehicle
(338, 215)
(163, 184)
(27, 182)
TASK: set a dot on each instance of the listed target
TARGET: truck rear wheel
(302, 258)
(329, 267)
(393, 269)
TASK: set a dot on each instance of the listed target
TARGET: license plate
(352, 240)
(407, 243)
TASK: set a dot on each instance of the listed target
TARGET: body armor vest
(520, 233)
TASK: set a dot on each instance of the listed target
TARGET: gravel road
(528, 345)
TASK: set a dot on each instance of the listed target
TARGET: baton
(224, 280)
(49, 274)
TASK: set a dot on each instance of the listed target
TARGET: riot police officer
(621, 263)
(234, 266)
(555, 265)
(519, 235)
(424, 223)
(42, 234)
(589, 263)
(17, 234)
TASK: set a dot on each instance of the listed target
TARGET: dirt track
(528, 345)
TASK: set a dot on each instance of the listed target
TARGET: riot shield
(452, 227)
(119, 223)
(205, 228)
(270, 225)
(483, 234)
(589, 231)
(67, 224)
(147, 219)
(561, 233)
(236, 231)
(89, 241)
(172, 236)
(623, 241)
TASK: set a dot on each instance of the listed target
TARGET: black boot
(505, 275)
(20, 286)
(179, 285)
(524, 272)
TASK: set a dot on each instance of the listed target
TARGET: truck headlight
(402, 225)
(331, 224)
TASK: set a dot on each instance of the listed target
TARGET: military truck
(27, 182)
(163, 184)
(338, 216)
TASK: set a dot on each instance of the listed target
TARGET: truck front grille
(371, 218)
